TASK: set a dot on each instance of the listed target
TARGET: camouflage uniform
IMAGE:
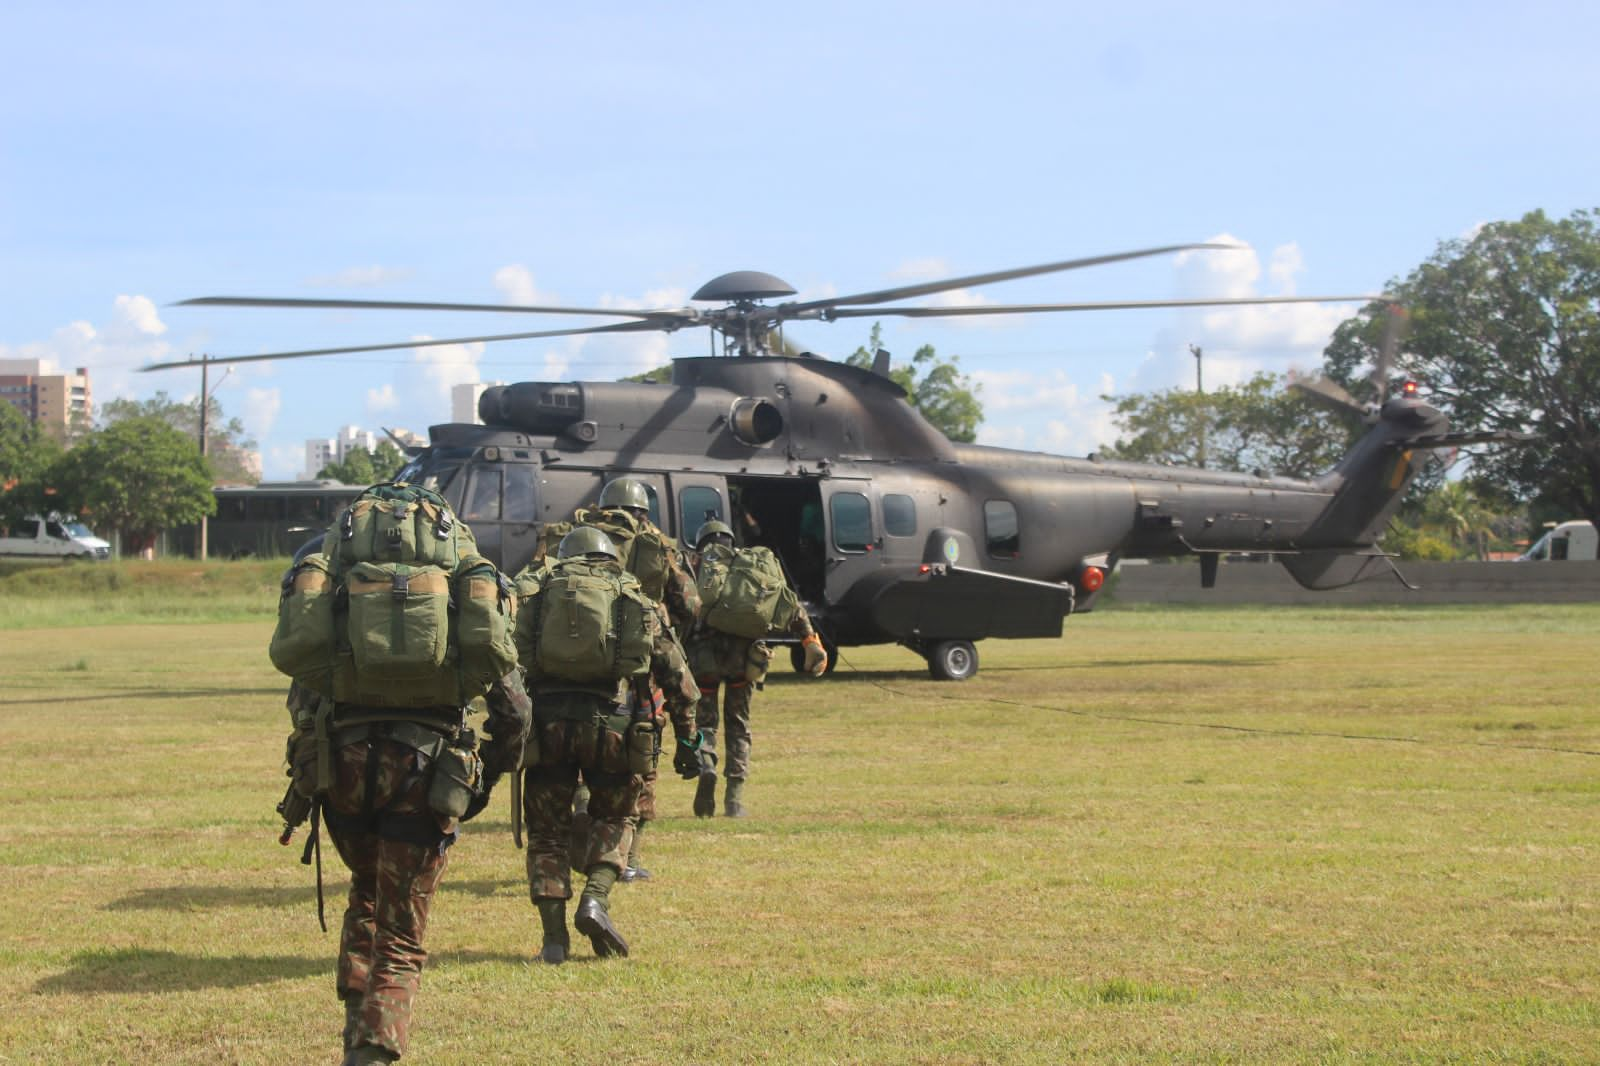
(584, 734)
(681, 598)
(396, 848)
(721, 659)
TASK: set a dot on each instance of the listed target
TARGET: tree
(138, 476)
(946, 397)
(362, 467)
(226, 442)
(28, 458)
(1505, 335)
(1259, 425)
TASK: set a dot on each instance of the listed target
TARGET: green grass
(35, 595)
(1198, 835)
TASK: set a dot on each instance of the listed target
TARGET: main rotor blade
(415, 305)
(618, 327)
(1488, 436)
(905, 292)
(1107, 305)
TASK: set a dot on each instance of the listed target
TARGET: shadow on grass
(50, 695)
(336, 884)
(144, 970)
(846, 673)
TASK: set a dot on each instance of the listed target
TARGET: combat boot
(705, 794)
(352, 1019)
(594, 922)
(732, 805)
(368, 1055)
(553, 920)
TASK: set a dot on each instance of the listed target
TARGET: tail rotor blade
(1393, 324)
(1325, 391)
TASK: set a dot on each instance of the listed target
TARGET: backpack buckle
(400, 587)
(347, 525)
(442, 528)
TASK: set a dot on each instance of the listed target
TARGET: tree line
(1504, 334)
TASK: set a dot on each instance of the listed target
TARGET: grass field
(1221, 835)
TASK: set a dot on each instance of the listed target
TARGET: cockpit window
(483, 497)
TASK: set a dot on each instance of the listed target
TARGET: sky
(622, 156)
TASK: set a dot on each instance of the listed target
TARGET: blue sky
(623, 155)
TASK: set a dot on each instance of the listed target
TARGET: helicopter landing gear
(952, 660)
(797, 656)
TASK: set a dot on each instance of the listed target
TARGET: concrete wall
(1270, 583)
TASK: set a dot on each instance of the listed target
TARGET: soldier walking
(735, 662)
(389, 763)
(595, 648)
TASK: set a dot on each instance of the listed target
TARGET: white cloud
(1047, 411)
(382, 399)
(515, 283)
(360, 277)
(261, 407)
(130, 335)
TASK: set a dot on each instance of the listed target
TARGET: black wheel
(953, 660)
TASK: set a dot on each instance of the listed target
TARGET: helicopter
(889, 531)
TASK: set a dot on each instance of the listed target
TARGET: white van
(1569, 540)
(53, 538)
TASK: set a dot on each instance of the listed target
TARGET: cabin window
(899, 515)
(483, 497)
(698, 505)
(1000, 529)
(1558, 549)
(519, 493)
(655, 504)
(28, 527)
(53, 528)
(852, 521)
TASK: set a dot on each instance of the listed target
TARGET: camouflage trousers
(378, 817)
(547, 793)
(736, 716)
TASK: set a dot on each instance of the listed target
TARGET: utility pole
(1200, 390)
(205, 411)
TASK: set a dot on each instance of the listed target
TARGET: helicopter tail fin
(1339, 547)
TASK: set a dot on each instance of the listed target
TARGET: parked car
(1567, 540)
(54, 537)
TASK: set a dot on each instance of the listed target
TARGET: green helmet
(625, 492)
(713, 528)
(586, 540)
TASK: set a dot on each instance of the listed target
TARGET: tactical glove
(816, 657)
(686, 757)
(478, 802)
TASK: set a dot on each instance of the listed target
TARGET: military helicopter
(890, 531)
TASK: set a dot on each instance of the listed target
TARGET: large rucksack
(582, 622)
(743, 591)
(643, 549)
(398, 609)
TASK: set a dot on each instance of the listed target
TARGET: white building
(464, 401)
(322, 451)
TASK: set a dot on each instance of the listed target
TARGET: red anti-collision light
(1409, 388)
(1091, 579)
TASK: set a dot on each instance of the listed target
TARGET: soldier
(737, 662)
(379, 777)
(597, 727)
(625, 506)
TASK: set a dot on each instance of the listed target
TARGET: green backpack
(743, 591)
(644, 552)
(398, 610)
(582, 622)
